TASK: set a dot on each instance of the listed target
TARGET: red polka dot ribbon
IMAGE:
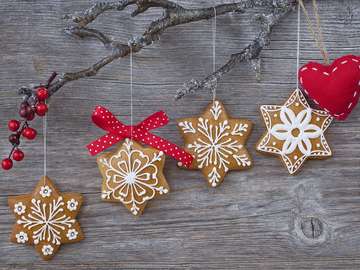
(117, 131)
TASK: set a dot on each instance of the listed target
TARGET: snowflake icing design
(217, 146)
(217, 142)
(295, 132)
(132, 176)
(47, 221)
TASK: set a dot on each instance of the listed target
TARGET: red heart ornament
(336, 87)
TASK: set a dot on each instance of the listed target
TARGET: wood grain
(258, 219)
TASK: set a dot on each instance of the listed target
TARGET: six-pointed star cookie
(217, 142)
(132, 175)
(295, 132)
(46, 218)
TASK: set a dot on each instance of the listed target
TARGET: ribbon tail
(103, 143)
(168, 148)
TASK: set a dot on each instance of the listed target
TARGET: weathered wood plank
(255, 219)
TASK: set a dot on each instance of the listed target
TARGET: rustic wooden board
(254, 219)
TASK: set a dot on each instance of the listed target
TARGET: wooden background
(262, 218)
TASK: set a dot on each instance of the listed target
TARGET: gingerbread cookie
(46, 218)
(217, 142)
(132, 175)
(295, 132)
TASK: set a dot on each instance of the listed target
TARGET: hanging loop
(45, 144)
(317, 33)
(298, 46)
(214, 52)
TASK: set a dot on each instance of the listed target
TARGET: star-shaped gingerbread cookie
(46, 218)
(295, 132)
(217, 142)
(133, 175)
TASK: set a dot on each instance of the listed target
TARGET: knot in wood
(311, 227)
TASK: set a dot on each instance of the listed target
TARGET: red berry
(24, 104)
(6, 163)
(41, 109)
(30, 116)
(29, 133)
(23, 112)
(14, 139)
(29, 109)
(18, 155)
(42, 93)
(13, 125)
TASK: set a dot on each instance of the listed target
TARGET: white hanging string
(214, 50)
(298, 47)
(45, 143)
(131, 92)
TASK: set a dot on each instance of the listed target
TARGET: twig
(174, 14)
(250, 53)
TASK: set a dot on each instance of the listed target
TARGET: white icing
(48, 219)
(216, 110)
(47, 250)
(293, 124)
(187, 127)
(19, 208)
(72, 234)
(132, 177)
(21, 237)
(242, 160)
(214, 177)
(45, 191)
(72, 205)
(239, 129)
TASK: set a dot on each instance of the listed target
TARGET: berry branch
(33, 104)
(173, 15)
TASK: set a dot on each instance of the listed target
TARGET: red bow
(117, 131)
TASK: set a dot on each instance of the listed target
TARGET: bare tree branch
(84, 32)
(174, 14)
(94, 11)
(250, 53)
